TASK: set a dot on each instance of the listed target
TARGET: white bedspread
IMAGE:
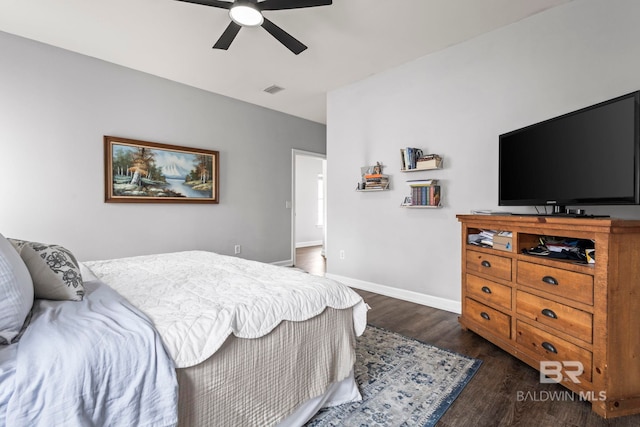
(197, 299)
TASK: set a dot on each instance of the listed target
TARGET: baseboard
(411, 296)
(308, 244)
(286, 263)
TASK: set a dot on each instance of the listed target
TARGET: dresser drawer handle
(549, 347)
(549, 280)
(486, 290)
(549, 313)
(485, 316)
(485, 263)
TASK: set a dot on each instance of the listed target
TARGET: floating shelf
(421, 207)
(420, 170)
(373, 189)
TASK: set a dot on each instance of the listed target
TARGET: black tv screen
(587, 157)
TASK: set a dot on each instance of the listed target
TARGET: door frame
(296, 152)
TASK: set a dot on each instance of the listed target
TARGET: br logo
(551, 371)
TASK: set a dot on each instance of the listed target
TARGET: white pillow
(87, 273)
(16, 291)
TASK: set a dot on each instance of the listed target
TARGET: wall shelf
(422, 170)
(421, 207)
(372, 179)
(370, 190)
(413, 160)
(425, 194)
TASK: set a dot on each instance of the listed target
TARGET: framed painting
(149, 172)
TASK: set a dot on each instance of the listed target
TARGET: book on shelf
(483, 238)
(486, 237)
(409, 156)
(435, 195)
(430, 161)
(375, 176)
(376, 181)
(412, 158)
(427, 195)
(422, 182)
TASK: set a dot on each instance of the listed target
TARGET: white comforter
(197, 299)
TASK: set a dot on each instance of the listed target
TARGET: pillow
(87, 274)
(16, 292)
(54, 270)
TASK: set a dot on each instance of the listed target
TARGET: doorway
(308, 196)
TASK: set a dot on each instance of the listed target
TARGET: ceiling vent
(274, 89)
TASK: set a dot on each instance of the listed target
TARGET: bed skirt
(262, 381)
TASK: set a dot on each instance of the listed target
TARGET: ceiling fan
(248, 13)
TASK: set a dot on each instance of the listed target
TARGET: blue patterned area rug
(403, 382)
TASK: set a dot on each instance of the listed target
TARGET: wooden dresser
(559, 311)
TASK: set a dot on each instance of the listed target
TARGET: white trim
(411, 296)
(295, 152)
(307, 244)
(287, 263)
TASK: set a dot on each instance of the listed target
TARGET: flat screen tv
(586, 157)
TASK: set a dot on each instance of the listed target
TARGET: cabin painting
(149, 172)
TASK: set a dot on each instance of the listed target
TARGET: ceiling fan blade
(283, 37)
(213, 3)
(291, 4)
(227, 37)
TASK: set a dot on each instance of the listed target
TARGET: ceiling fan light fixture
(248, 13)
(245, 14)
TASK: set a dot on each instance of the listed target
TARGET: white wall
(306, 222)
(456, 102)
(55, 107)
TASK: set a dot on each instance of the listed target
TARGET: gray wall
(55, 107)
(456, 102)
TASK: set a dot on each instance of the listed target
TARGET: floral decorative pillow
(54, 270)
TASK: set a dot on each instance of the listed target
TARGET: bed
(246, 343)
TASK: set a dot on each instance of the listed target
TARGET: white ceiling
(348, 41)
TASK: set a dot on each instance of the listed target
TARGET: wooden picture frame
(149, 172)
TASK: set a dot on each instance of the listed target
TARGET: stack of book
(429, 161)
(425, 192)
(376, 181)
(483, 238)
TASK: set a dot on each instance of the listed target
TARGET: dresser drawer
(493, 265)
(575, 286)
(545, 346)
(484, 290)
(574, 322)
(493, 320)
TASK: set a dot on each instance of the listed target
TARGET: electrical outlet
(341, 253)
(237, 249)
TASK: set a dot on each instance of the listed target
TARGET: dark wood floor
(491, 397)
